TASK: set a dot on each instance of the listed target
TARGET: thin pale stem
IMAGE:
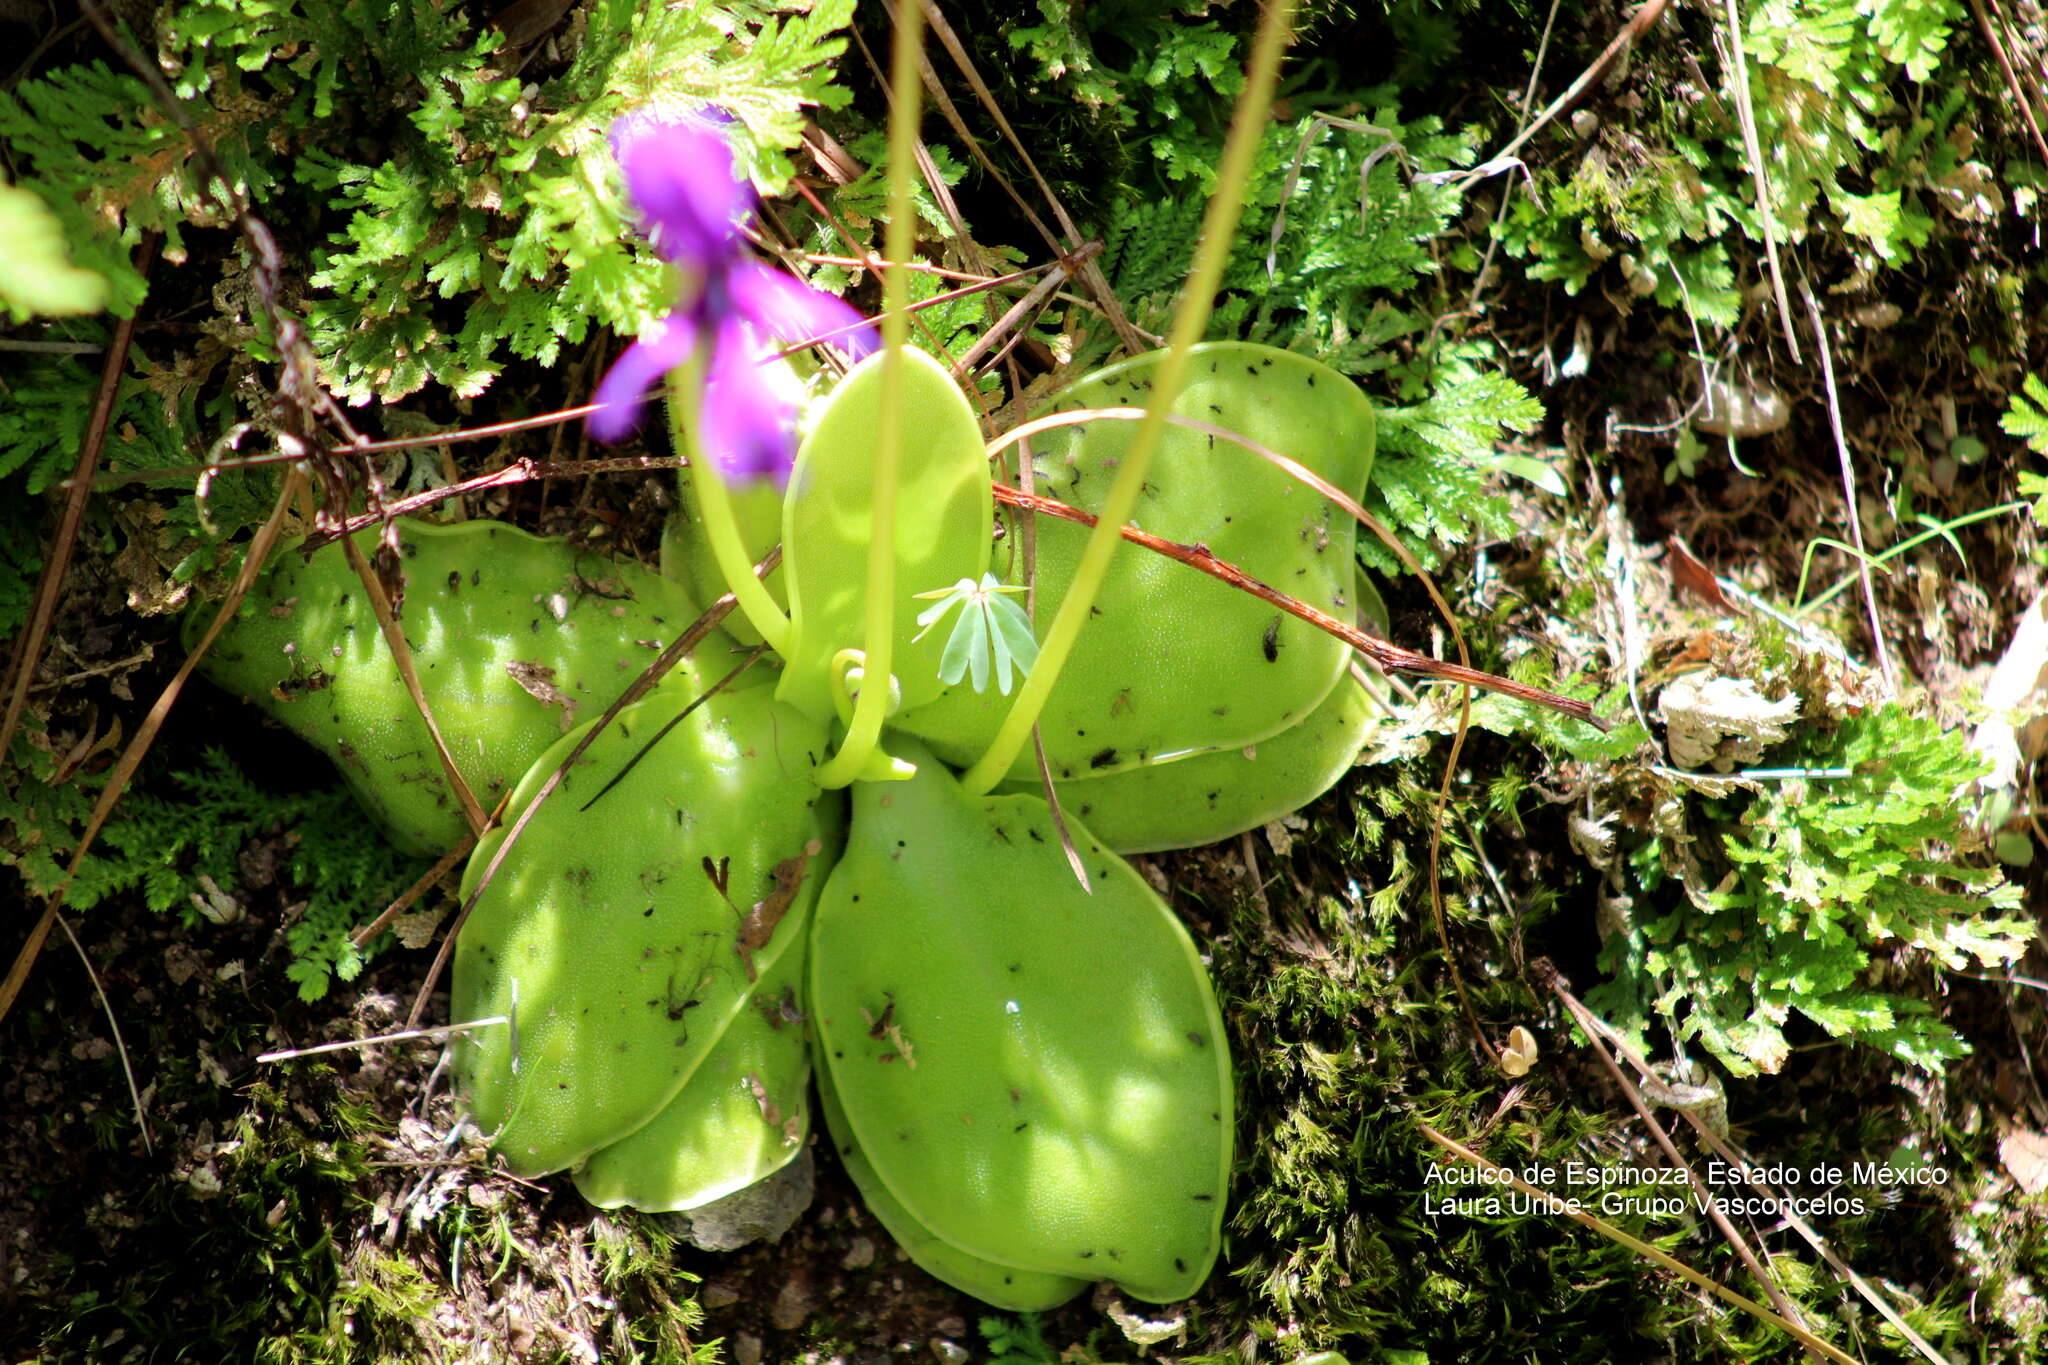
(1219, 230)
(1388, 657)
(872, 707)
(401, 658)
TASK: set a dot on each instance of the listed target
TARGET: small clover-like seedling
(991, 629)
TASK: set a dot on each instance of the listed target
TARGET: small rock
(952, 1327)
(949, 1352)
(762, 1212)
(1138, 1330)
(182, 963)
(1741, 409)
(520, 1333)
(860, 1252)
(746, 1349)
(717, 1294)
(792, 1306)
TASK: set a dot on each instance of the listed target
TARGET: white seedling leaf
(992, 635)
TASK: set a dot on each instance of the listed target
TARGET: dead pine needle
(1704, 1197)
(145, 736)
(402, 1036)
(1596, 1028)
(120, 1045)
(1767, 214)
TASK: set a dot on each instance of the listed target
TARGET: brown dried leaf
(759, 924)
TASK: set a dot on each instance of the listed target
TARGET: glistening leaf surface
(1173, 660)
(1039, 1076)
(603, 935)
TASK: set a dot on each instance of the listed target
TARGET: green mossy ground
(313, 1211)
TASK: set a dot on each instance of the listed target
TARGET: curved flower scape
(681, 176)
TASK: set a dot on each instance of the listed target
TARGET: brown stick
(1390, 657)
(28, 650)
(132, 756)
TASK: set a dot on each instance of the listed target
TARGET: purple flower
(681, 176)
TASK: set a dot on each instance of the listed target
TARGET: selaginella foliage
(1817, 898)
(484, 225)
(179, 845)
(1346, 210)
(1857, 136)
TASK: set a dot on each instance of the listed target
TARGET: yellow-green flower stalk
(1219, 227)
(871, 708)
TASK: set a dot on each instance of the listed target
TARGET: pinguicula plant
(843, 860)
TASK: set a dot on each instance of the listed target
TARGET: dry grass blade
(519, 471)
(1016, 320)
(401, 656)
(1595, 1027)
(1390, 145)
(1703, 1197)
(1639, 1247)
(120, 1044)
(1500, 217)
(677, 650)
(1766, 212)
(1827, 375)
(951, 113)
(28, 648)
(402, 1036)
(145, 735)
(942, 194)
(1091, 273)
(522, 470)
(2020, 94)
(1639, 23)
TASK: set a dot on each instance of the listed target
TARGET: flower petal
(680, 174)
(637, 373)
(745, 426)
(785, 307)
